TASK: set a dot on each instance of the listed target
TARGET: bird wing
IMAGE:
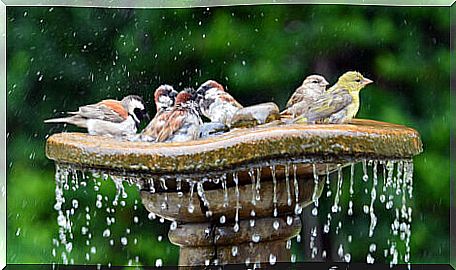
(174, 122)
(296, 97)
(224, 96)
(106, 110)
(156, 124)
(328, 104)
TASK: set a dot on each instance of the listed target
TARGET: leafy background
(59, 58)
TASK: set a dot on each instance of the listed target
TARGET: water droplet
(372, 248)
(289, 220)
(276, 225)
(75, 203)
(124, 241)
(370, 259)
(236, 227)
(106, 233)
(256, 238)
(315, 211)
(272, 259)
(234, 251)
(191, 208)
(173, 226)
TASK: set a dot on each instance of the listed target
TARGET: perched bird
(337, 105)
(108, 117)
(180, 123)
(215, 103)
(310, 90)
(164, 97)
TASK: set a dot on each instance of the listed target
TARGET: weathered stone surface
(202, 242)
(255, 115)
(361, 138)
(248, 252)
(264, 253)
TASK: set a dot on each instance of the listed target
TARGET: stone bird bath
(236, 197)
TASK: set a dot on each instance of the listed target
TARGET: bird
(215, 103)
(108, 117)
(180, 123)
(312, 87)
(339, 104)
(164, 97)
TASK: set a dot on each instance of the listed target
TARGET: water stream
(348, 211)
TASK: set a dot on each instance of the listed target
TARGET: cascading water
(393, 193)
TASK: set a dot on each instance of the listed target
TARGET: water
(342, 212)
(88, 215)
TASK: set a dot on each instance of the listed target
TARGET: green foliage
(60, 58)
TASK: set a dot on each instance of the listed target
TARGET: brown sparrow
(108, 117)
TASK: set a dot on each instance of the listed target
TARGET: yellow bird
(339, 104)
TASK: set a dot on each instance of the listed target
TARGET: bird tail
(58, 120)
(74, 120)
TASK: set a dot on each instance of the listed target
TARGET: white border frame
(2, 135)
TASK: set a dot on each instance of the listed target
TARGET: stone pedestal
(256, 241)
(240, 224)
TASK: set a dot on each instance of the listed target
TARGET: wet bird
(108, 117)
(339, 104)
(216, 104)
(180, 123)
(164, 97)
(311, 89)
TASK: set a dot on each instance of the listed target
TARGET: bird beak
(367, 81)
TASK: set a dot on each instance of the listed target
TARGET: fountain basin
(239, 148)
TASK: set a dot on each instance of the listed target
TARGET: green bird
(339, 104)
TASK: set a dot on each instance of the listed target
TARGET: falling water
(238, 206)
(274, 194)
(393, 192)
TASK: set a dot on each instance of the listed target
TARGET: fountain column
(216, 233)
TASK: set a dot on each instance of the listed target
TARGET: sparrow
(216, 104)
(180, 123)
(339, 104)
(164, 97)
(312, 87)
(108, 117)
